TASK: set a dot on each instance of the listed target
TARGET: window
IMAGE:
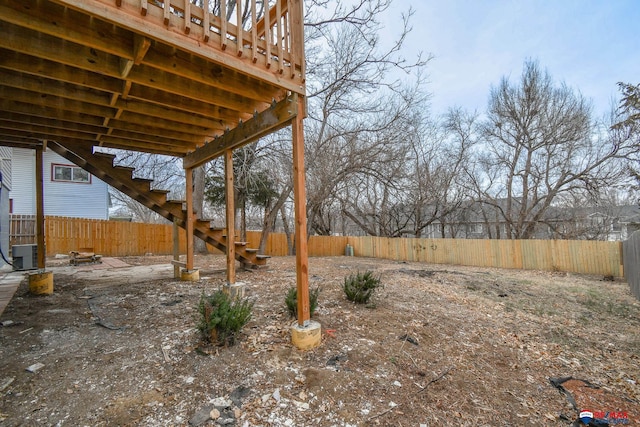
(69, 174)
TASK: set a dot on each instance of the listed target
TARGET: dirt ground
(442, 345)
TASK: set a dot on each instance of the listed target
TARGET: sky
(590, 45)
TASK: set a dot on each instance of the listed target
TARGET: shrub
(291, 300)
(221, 318)
(360, 287)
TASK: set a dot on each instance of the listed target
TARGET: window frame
(72, 168)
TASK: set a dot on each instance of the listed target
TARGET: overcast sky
(588, 44)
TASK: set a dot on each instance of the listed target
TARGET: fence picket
(116, 238)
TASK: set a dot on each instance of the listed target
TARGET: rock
(6, 383)
(7, 323)
(276, 395)
(302, 406)
(226, 421)
(35, 367)
(202, 416)
(239, 394)
(189, 380)
(397, 383)
(221, 403)
(214, 414)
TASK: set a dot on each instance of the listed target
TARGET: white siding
(78, 200)
(5, 166)
(23, 181)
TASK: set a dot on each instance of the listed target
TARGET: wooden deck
(190, 80)
(153, 76)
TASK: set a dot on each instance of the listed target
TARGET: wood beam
(230, 217)
(89, 59)
(268, 121)
(299, 192)
(189, 217)
(40, 208)
(176, 248)
(79, 28)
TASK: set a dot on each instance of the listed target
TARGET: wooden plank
(189, 217)
(223, 28)
(187, 16)
(268, 121)
(176, 247)
(40, 209)
(230, 216)
(239, 35)
(254, 32)
(206, 22)
(280, 35)
(302, 261)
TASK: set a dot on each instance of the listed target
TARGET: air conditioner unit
(25, 257)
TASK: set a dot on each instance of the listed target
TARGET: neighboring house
(68, 190)
(5, 187)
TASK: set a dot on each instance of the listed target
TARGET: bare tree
(539, 143)
(353, 102)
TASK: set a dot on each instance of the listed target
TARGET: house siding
(23, 181)
(77, 200)
(5, 186)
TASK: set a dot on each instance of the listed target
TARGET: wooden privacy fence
(108, 238)
(115, 238)
(576, 256)
(22, 230)
(631, 251)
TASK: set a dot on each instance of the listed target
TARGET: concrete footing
(189, 275)
(234, 290)
(306, 337)
(41, 283)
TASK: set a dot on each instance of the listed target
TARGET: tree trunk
(287, 231)
(270, 216)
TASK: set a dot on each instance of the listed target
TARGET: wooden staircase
(121, 177)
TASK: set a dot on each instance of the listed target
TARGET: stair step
(138, 179)
(125, 168)
(206, 219)
(105, 156)
(262, 259)
(121, 177)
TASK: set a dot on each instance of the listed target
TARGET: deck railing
(269, 33)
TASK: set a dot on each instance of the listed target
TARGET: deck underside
(103, 74)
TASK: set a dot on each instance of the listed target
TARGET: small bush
(221, 318)
(291, 300)
(360, 287)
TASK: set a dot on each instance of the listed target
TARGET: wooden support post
(302, 261)
(230, 217)
(176, 249)
(189, 217)
(40, 208)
